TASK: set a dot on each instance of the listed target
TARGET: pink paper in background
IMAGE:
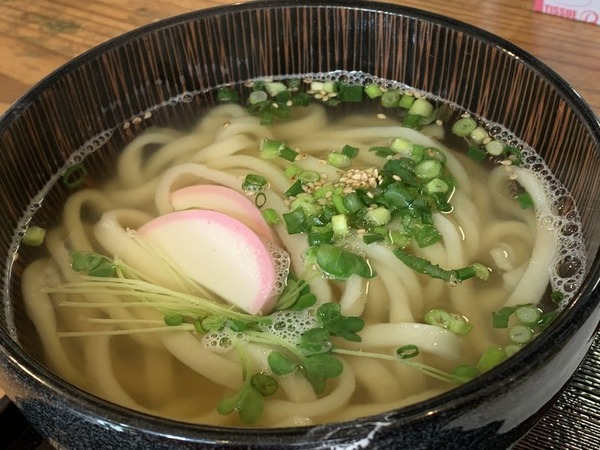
(584, 10)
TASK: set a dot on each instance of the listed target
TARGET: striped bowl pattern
(129, 76)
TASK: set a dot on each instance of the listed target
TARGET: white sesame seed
(439, 122)
(136, 120)
(126, 125)
(148, 114)
(396, 177)
(381, 116)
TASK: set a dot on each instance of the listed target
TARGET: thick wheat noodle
(129, 167)
(399, 301)
(387, 387)
(353, 298)
(217, 152)
(325, 406)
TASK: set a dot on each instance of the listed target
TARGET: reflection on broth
(310, 251)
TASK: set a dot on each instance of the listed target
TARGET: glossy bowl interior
(86, 103)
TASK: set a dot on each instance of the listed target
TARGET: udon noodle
(115, 344)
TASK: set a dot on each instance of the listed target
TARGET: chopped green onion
(351, 93)
(339, 224)
(437, 185)
(287, 153)
(397, 195)
(412, 121)
(513, 154)
(521, 334)
(427, 236)
(225, 95)
(254, 183)
(275, 87)
(407, 351)
(271, 216)
(352, 202)
(399, 239)
(379, 216)
(401, 146)
(292, 170)
(525, 201)
(371, 238)
(482, 272)
(464, 126)
(466, 372)
(500, 318)
(491, 358)
(527, 314)
(294, 221)
(34, 236)
(479, 135)
(257, 97)
(459, 325)
(338, 203)
(320, 235)
(260, 200)
(417, 152)
(373, 90)
(390, 99)
(406, 101)
(294, 189)
(557, 296)
(547, 318)
(330, 86)
(511, 349)
(349, 151)
(455, 323)
(428, 169)
(74, 176)
(307, 203)
(308, 176)
(421, 107)
(339, 160)
(438, 317)
(494, 148)
(475, 153)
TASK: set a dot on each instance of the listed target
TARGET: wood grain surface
(38, 36)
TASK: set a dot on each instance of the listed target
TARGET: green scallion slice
(464, 126)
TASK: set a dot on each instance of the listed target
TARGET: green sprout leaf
(318, 368)
(265, 384)
(341, 264)
(345, 327)
(280, 364)
(92, 264)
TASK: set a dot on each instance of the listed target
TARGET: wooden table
(37, 36)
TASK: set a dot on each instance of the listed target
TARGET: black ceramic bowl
(120, 80)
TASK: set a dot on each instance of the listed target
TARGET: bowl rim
(583, 304)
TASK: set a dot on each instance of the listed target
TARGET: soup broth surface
(403, 259)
